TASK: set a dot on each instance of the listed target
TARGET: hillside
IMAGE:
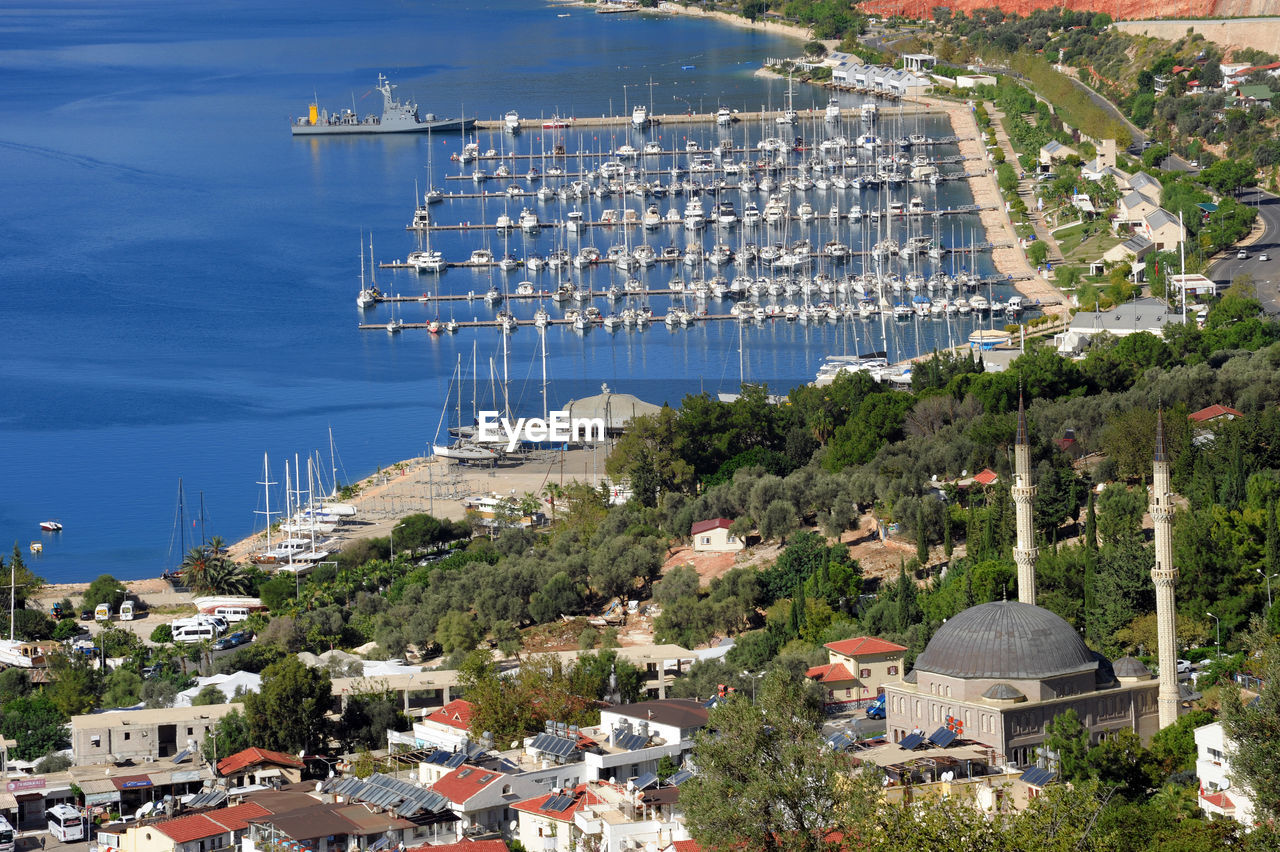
(1121, 9)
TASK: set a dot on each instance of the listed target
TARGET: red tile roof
(1219, 800)
(582, 798)
(465, 846)
(455, 714)
(211, 823)
(864, 645)
(834, 673)
(986, 476)
(1212, 413)
(237, 818)
(464, 782)
(188, 828)
(1065, 444)
(713, 524)
(686, 846)
(254, 756)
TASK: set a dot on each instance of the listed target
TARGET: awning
(160, 779)
(8, 802)
(131, 782)
(105, 798)
(97, 785)
(186, 776)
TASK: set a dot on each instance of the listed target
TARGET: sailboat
(789, 116)
(368, 296)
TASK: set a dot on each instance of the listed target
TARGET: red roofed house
(1213, 414)
(481, 797)
(986, 476)
(713, 536)
(547, 821)
(259, 766)
(857, 670)
(1214, 750)
(201, 832)
(445, 727)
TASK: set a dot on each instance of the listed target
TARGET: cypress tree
(922, 541)
(946, 534)
(1273, 541)
(1091, 525)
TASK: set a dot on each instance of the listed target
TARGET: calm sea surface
(179, 273)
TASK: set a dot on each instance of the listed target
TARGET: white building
(229, 684)
(713, 536)
(1213, 766)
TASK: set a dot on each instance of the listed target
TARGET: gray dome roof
(1006, 639)
(1130, 667)
(1002, 692)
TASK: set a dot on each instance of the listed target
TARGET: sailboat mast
(182, 523)
(266, 490)
(333, 464)
(542, 334)
(203, 538)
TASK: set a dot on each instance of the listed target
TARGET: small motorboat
(51, 526)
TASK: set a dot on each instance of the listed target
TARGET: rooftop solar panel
(558, 803)
(456, 760)
(1038, 777)
(839, 741)
(680, 777)
(185, 754)
(942, 737)
(646, 780)
(911, 741)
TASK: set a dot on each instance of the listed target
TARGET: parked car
(86, 615)
(1184, 666)
(875, 710)
(232, 640)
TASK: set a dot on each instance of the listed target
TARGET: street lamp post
(392, 541)
(754, 677)
(1268, 578)
(1218, 625)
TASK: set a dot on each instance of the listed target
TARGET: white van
(102, 612)
(198, 632)
(232, 614)
(126, 614)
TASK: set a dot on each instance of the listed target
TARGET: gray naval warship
(397, 117)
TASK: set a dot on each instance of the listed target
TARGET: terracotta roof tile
(188, 828)
(986, 476)
(465, 846)
(581, 798)
(252, 757)
(464, 782)
(1213, 412)
(864, 645)
(455, 714)
(713, 524)
(834, 673)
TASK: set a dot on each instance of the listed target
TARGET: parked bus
(6, 835)
(66, 823)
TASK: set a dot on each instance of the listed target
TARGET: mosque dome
(1006, 640)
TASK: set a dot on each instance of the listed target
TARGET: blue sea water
(179, 273)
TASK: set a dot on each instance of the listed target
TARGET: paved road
(1266, 273)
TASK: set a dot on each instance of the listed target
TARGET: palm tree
(553, 492)
(195, 569)
(228, 578)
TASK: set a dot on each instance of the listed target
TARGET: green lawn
(1086, 241)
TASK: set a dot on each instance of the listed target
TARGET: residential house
(1054, 152)
(637, 736)
(643, 815)
(1150, 315)
(969, 81)
(857, 670)
(1213, 414)
(1163, 229)
(713, 536)
(919, 61)
(447, 727)
(1133, 209)
(259, 767)
(201, 832)
(1213, 769)
(547, 823)
(142, 735)
(1232, 73)
(1148, 187)
(1254, 95)
(1130, 251)
(482, 798)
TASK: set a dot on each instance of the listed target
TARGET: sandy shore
(773, 27)
(999, 227)
(437, 486)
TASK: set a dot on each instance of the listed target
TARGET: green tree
(288, 714)
(209, 694)
(229, 736)
(458, 631)
(366, 719)
(105, 589)
(36, 723)
(1068, 741)
(162, 635)
(765, 783)
(123, 688)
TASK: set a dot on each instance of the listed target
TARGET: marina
(210, 209)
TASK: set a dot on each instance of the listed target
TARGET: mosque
(998, 673)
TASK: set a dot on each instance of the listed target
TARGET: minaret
(1164, 575)
(1025, 551)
